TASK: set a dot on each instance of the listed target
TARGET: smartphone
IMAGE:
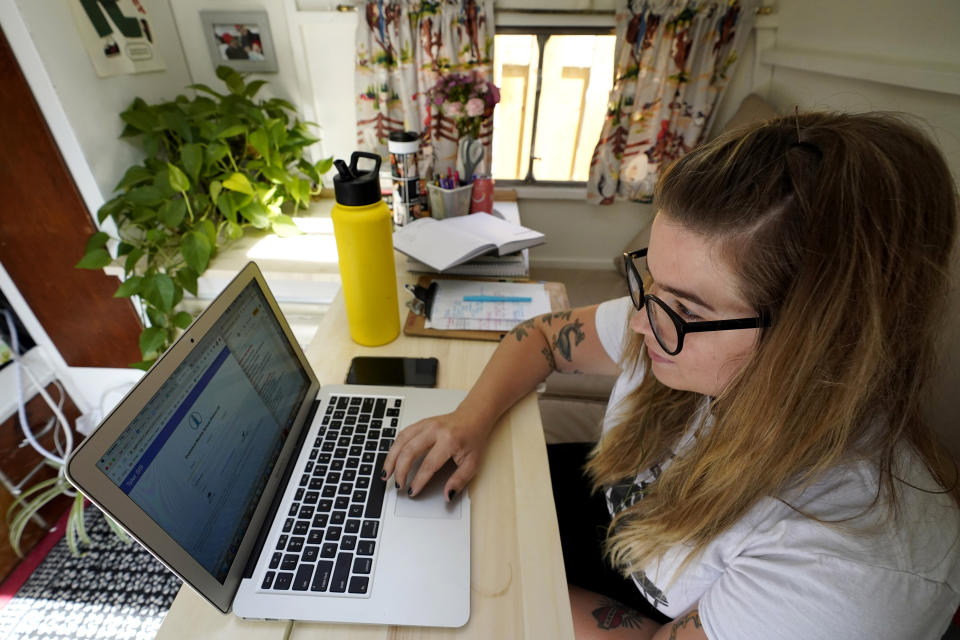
(393, 372)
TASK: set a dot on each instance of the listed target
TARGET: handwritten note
(450, 311)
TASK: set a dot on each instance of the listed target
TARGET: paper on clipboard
(451, 312)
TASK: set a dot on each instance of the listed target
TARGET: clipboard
(423, 298)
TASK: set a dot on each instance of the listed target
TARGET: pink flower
(475, 107)
(452, 109)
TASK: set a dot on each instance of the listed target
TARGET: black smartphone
(393, 372)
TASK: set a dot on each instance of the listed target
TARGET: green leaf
(157, 237)
(178, 179)
(215, 152)
(234, 230)
(96, 259)
(256, 215)
(215, 188)
(204, 88)
(135, 175)
(182, 320)
(309, 170)
(111, 208)
(187, 278)
(147, 196)
(232, 130)
(151, 340)
(284, 226)
(324, 165)
(173, 212)
(142, 119)
(129, 287)
(258, 140)
(97, 241)
(207, 227)
(274, 174)
(144, 365)
(159, 290)
(253, 88)
(123, 248)
(224, 72)
(235, 84)
(195, 248)
(238, 182)
(191, 155)
(132, 259)
(157, 318)
(141, 215)
(228, 203)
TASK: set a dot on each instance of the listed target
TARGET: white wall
(91, 105)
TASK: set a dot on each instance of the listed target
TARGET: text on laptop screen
(197, 457)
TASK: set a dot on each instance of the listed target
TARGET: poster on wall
(118, 36)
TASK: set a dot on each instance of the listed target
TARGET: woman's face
(690, 275)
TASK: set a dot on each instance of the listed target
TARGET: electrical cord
(20, 368)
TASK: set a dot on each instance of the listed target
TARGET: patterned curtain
(674, 60)
(403, 48)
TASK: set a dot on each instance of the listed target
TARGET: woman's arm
(597, 617)
(561, 341)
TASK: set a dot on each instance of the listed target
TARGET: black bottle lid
(354, 188)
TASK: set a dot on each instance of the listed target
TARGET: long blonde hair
(840, 228)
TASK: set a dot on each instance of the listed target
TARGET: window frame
(557, 26)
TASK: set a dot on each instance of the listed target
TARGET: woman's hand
(441, 438)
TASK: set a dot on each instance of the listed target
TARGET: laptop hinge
(278, 497)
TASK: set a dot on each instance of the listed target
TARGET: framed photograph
(240, 39)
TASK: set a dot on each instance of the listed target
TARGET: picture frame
(240, 39)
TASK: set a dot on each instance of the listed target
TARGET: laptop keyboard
(329, 537)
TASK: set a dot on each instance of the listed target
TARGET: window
(546, 132)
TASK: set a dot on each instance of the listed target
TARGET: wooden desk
(518, 587)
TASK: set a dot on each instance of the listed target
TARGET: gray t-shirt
(779, 574)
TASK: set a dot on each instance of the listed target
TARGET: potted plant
(215, 166)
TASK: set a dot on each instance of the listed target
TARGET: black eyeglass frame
(642, 300)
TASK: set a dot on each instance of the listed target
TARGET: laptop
(262, 491)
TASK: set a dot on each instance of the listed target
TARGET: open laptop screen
(197, 457)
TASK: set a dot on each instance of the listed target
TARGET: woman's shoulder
(846, 516)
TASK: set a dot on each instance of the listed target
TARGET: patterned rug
(114, 590)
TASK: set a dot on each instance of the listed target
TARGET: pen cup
(447, 203)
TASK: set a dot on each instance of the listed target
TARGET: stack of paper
(450, 310)
(515, 265)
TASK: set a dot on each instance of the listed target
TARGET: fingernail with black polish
(409, 491)
(383, 475)
(396, 484)
(450, 494)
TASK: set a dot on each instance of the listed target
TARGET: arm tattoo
(562, 341)
(548, 317)
(680, 623)
(521, 329)
(548, 354)
(611, 614)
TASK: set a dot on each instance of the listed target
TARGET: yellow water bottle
(363, 227)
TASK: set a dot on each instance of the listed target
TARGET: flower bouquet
(465, 98)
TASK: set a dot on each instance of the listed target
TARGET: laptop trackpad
(429, 503)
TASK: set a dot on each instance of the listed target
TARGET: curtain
(674, 60)
(403, 48)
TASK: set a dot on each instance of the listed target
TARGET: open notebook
(263, 492)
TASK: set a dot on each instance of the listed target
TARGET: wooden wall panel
(44, 227)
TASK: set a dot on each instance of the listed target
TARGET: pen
(496, 299)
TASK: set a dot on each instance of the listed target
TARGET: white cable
(20, 367)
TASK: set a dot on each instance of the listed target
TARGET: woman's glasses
(668, 327)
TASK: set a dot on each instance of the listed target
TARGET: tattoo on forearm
(611, 614)
(692, 617)
(562, 341)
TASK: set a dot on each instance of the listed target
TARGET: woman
(767, 473)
